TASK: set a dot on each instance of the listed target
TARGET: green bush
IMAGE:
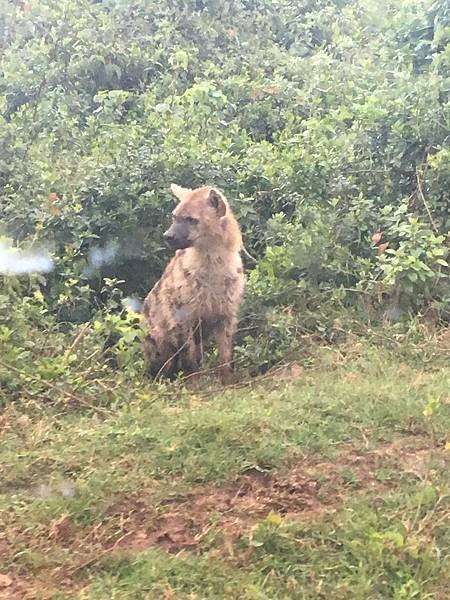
(325, 123)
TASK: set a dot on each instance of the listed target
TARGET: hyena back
(201, 289)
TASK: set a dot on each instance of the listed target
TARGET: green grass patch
(384, 537)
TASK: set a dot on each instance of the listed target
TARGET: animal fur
(201, 289)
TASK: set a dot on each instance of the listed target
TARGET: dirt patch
(14, 587)
(309, 487)
(233, 508)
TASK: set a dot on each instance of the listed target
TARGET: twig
(242, 384)
(76, 341)
(248, 255)
(363, 435)
(204, 371)
(427, 208)
(159, 373)
(55, 387)
(92, 560)
(102, 554)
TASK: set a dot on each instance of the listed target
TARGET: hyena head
(202, 219)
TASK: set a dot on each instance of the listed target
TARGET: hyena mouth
(177, 244)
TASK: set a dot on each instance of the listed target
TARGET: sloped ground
(334, 485)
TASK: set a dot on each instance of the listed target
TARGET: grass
(334, 485)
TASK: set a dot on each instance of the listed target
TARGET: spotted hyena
(201, 289)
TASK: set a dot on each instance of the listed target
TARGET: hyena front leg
(158, 359)
(190, 355)
(149, 354)
(224, 334)
(193, 356)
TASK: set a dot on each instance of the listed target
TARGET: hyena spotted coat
(200, 292)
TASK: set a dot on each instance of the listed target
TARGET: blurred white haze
(18, 262)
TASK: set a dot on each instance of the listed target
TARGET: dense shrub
(325, 122)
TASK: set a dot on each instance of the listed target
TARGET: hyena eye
(192, 221)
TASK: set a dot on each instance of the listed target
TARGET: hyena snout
(177, 237)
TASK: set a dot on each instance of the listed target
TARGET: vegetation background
(327, 125)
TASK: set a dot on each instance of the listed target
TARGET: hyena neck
(215, 258)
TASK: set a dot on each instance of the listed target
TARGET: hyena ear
(178, 191)
(216, 201)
